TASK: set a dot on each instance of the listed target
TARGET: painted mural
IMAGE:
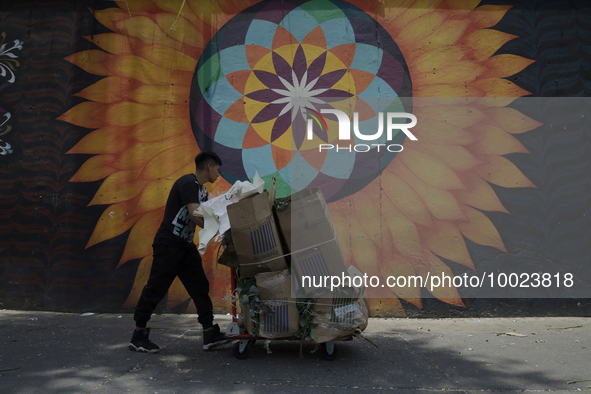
(155, 82)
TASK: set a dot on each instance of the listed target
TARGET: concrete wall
(104, 106)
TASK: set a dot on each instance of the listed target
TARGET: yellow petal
(367, 212)
(109, 16)
(168, 161)
(398, 266)
(446, 292)
(141, 236)
(511, 120)
(138, 6)
(406, 200)
(485, 43)
(95, 168)
(92, 61)
(445, 240)
(160, 129)
(140, 281)
(167, 58)
(438, 58)
(459, 8)
(381, 303)
(404, 232)
(87, 114)
(184, 31)
(161, 94)
(494, 140)
(502, 66)
(420, 28)
(114, 43)
(130, 114)
(431, 170)
(109, 89)
(498, 87)
(106, 140)
(414, 11)
(448, 33)
(444, 110)
(340, 213)
(114, 221)
(455, 157)
(364, 252)
(139, 154)
(136, 67)
(479, 194)
(457, 73)
(427, 130)
(118, 187)
(488, 15)
(442, 204)
(502, 172)
(445, 90)
(480, 229)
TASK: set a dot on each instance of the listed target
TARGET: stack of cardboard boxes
(290, 251)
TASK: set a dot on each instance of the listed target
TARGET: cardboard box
(338, 318)
(315, 252)
(255, 236)
(275, 291)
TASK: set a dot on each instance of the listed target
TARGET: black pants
(170, 262)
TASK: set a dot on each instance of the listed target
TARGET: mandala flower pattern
(271, 63)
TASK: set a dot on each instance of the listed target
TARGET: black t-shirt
(177, 228)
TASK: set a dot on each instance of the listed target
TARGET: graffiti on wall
(119, 109)
(8, 66)
(235, 71)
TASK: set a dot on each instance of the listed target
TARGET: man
(175, 254)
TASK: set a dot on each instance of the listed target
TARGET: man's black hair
(204, 158)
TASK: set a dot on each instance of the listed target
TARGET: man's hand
(198, 220)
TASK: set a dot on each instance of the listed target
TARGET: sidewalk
(44, 352)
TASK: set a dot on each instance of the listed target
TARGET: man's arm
(191, 207)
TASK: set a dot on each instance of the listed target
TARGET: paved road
(44, 352)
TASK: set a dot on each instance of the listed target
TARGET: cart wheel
(329, 350)
(241, 349)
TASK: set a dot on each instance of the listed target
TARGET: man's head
(208, 164)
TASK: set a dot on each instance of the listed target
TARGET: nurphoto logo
(345, 129)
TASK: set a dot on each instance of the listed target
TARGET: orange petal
(442, 204)
(444, 239)
(488, 15)
(447, 292)
(502, 172)
(448, 33)
(381, 303)
(106, 140)
(480, 229)
(414, 10)
(457, 73)
(420, 28)
(181, 30)
(153, 195)
(427, 130)
(92, 61)
(404, 232)
(160, 129)
(141, 153)
(340, 213)
(438, 58)
(130, 114)
(502, 66)
(118, 187)
(494, 140)
(511, 120)
(162, 94)
(109, 16)
(109, 89)
(88, 114)
(115, 43)
(485, 43)
(136, 67)
(398, 266)
(498, 87)
(168, 161)
(479, 194)
(95, 168)
(141, 236)
(140, 281)
(114, 221)
(367, 213)
(406, 200)
(168, 58)
(431, 170)
(455, 157)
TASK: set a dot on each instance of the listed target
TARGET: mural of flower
(148, 115)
